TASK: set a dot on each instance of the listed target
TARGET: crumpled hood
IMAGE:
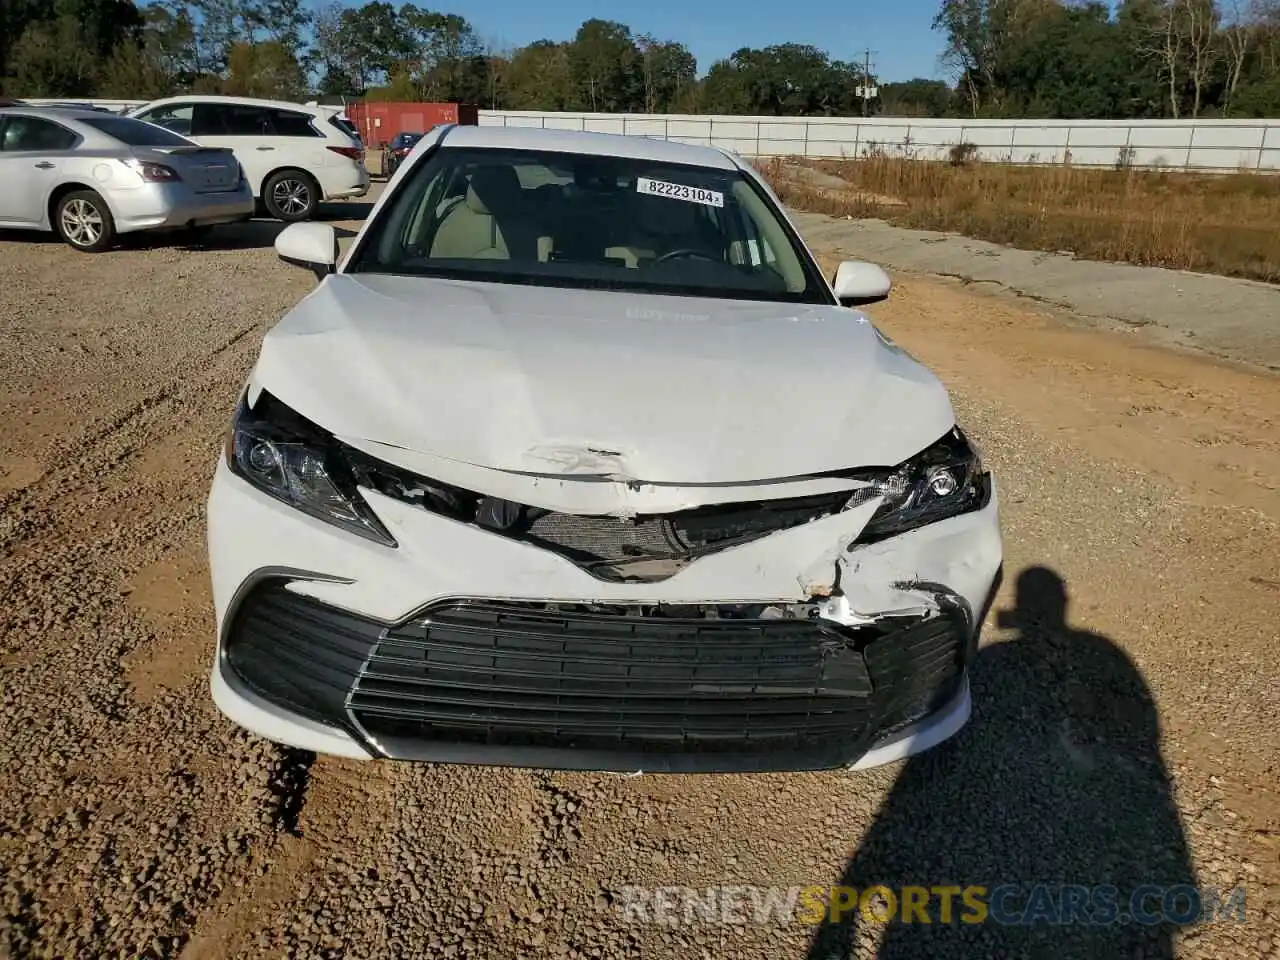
(658, 389)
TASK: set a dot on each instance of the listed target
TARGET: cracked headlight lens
(945, 480)
(287, 457)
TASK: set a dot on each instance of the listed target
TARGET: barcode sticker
(680, 191)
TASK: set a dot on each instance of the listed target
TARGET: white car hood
(655, 389)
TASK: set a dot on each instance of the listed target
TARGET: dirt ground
(1225, 317)
(1125, 733)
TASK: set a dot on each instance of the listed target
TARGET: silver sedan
(88, 176)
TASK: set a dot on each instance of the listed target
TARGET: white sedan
(89, 175)
(577, 461)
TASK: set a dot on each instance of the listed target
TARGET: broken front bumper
(461, 645)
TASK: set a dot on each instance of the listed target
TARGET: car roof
(238, 101)
(598, 144)
(56, 113)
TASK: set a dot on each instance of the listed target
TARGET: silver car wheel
(81, 223)
(291, 196)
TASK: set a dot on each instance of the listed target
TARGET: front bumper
(174, 205)
(463, 646)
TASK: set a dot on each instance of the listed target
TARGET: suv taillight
(351, 153)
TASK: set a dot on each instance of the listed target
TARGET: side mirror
(311, 245)
(859, 283)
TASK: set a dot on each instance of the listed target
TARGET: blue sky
(898, 32)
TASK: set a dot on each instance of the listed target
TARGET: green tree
(268, 69)
(131, 72)
(448, 60)
(916, 98)
(1258, 98)
(538, 78)
(169, 45)
(221, 26)
(1073, 65)
(983, 37)
(1256, 92)
(497, 76)
(283, 21)
(31, 32)
(727, 87)
(103, 23)
(53, 58)
(789, 79)
(604, 66)
(669, 72)
(372, 40)
(400, 86)
(327, 56)
(15, 17)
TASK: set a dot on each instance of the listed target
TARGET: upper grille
(617, 548)
(607, 538)
(604, 539)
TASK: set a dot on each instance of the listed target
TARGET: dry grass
(1214, 224)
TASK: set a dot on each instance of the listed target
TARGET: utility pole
(865, 89)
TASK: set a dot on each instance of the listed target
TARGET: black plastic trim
(537, 720)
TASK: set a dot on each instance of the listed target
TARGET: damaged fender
(923, 571)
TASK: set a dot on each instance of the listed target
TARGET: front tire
(83, 221)
(291, 195)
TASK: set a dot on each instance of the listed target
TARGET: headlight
(288, 457)
(945, 480)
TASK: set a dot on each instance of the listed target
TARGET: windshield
(136, 133)
(583, 220)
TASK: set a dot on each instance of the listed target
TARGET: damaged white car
(577, 461)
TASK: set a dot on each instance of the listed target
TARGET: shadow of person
(1057, 780)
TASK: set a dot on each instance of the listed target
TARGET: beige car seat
(477, 228)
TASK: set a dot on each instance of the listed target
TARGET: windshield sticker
(679, 191)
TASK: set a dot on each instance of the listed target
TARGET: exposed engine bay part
(288, 457)
(636, 549)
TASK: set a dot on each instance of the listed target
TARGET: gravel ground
(1125, 733)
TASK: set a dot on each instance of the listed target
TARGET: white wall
(1222, 145)
(1210, 145)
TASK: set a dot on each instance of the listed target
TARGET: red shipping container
(379, 121)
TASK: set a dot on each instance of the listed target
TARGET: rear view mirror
(858, 283)
(311, 245)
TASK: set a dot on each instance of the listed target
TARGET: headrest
(492, 186)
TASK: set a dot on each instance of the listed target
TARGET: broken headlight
(288, 457)
(945, 480)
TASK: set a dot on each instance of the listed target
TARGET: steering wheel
(683, 252)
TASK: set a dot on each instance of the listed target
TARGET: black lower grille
(298, 653)
(598, 688)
